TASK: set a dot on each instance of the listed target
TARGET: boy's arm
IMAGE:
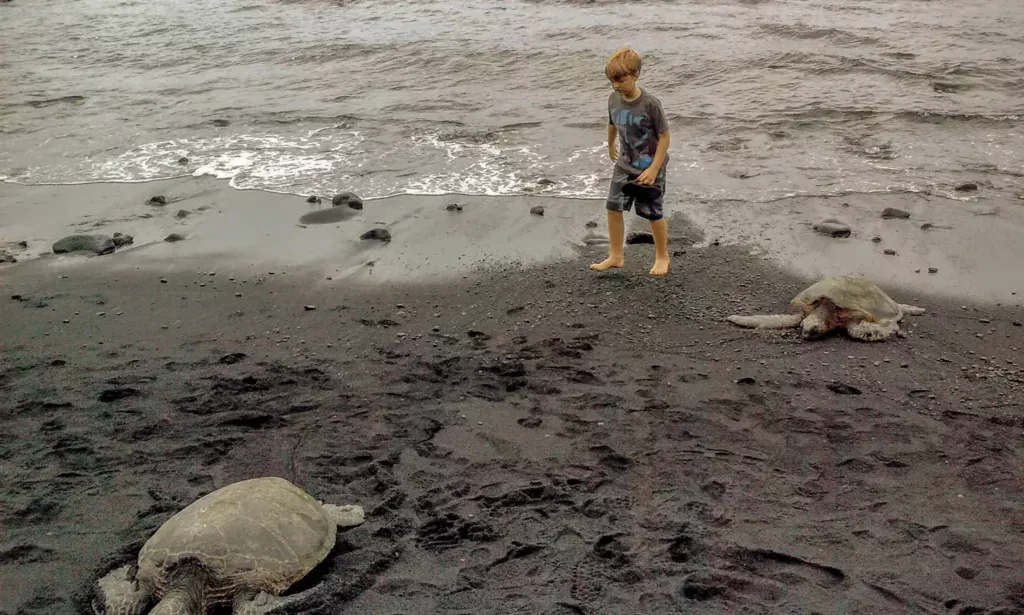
(661, 127)
(661, 152)
(612, 133)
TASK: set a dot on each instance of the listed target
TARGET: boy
(638, 177)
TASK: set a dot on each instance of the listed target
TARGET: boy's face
(625, 84)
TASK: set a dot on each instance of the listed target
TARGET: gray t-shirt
(638, 123)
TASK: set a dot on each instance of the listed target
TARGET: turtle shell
(262, 533)
(856, 296)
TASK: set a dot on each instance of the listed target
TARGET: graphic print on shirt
(636, 128)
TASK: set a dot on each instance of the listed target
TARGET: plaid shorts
(618, 200)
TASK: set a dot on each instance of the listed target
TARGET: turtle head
(820, 320)
(119, 593)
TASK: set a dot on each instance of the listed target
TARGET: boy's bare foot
(660, 266)
(611, 262)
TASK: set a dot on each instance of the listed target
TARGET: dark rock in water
(121, 240)
(545, 182)
(966, 187)
(182, 213)
(926, 226)
(380, 234)
(313, 199)
(174, 237)
(99, 244)
(876, 239)
(7, 258)
(889, 252)
(183, 160)
(833, 228)
(591, 224)
(454, 207)
(538, 210)
(892, 212)
(23, 244)
(637, 237)
(327, 216)
(157, 200)
(347, 198)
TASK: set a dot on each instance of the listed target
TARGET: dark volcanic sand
(551, 441)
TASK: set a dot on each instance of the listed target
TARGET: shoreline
(262, 228)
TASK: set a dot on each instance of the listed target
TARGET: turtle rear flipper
(767, 321)
(345, 516)
(911, 310)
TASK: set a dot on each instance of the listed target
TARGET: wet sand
(266, 229)
(972, 244)
(524, 439)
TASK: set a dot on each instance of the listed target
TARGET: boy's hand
(648, 176)
(613, 153)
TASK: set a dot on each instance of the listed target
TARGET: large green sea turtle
(852, 303)
(241, 545)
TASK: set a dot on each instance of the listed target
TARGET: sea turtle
(241, 545)
(839, 302)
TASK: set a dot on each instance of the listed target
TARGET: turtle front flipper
(118, 593)
(257, 603)
(871, 331)
(767, 321)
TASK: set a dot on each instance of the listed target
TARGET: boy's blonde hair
(624, 61)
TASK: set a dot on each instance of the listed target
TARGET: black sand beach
(525, 440)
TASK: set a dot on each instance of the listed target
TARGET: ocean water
(766, 99)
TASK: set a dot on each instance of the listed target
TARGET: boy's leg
(652, 211)
(616, 203)
(616, 238)
(659, 228)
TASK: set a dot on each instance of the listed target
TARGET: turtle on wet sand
(241, 545)
(852, 303)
